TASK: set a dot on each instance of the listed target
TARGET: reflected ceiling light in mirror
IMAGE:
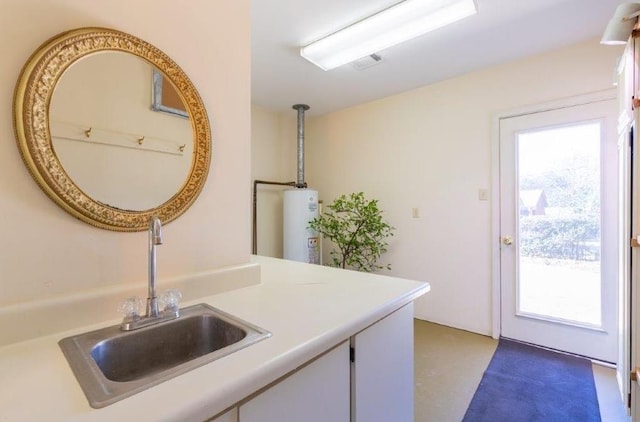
(401, 22)
(619, 28)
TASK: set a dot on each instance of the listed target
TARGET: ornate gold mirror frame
(32, 99)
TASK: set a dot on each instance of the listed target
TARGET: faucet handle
(170, 300)
(130, 308)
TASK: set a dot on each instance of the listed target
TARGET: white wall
(43, 250)
(273, 160)
(430, 149)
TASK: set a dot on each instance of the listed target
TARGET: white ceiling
(503, 30)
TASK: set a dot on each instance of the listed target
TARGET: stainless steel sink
(111, 364)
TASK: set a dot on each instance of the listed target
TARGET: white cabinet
(625, 81)
(382, 372)
(377, 386)
(317, 392)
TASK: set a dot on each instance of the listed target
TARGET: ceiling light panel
(399, 23)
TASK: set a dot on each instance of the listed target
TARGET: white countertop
(307, 308)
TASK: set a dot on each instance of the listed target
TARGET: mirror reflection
(108, 138)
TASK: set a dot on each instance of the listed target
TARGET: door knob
(507, 240)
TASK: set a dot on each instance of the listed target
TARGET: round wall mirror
(112, 129)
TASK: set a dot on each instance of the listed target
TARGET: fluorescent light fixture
(621, 25)
(401, 22)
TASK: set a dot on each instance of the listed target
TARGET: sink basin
(111, 364)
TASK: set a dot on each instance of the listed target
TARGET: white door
(558, 226)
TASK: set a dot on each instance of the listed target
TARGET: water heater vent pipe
(301, 108)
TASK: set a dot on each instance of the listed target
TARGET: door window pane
(559, 274)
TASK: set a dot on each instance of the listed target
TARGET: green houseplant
(355, 225)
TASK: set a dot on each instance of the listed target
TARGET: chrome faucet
(132, 319)
(155, 238)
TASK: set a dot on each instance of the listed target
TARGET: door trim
(608, 94)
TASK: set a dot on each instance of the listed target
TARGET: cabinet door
(382, 388)
(318, 392)
(625, 80)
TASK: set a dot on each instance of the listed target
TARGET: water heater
(300, 243)
(300, 206)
